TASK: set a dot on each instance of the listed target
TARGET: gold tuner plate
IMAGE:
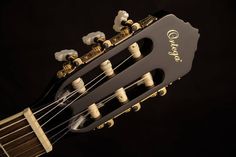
(124, 34)
(67, 69)
(150, 96)
(95, 52)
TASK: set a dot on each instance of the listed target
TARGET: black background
(196, 117)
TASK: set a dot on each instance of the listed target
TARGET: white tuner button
(121, 16)
(61, 55)
(89, 38)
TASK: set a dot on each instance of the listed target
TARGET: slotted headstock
(168, 44)
(113, 78)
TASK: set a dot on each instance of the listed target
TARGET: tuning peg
(162, 91)
(121, 16)
(63, 54)
(92, 38)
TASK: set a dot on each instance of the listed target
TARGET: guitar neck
(21, 136)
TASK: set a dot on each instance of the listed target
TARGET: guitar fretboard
(21, 136)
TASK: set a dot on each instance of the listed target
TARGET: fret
(3, 152)
(21, 136)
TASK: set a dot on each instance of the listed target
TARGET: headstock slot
(133, 90)
(146, 46)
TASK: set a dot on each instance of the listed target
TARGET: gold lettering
(173, 35)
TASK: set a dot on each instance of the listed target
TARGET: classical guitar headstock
(109, 81)
(114, 78)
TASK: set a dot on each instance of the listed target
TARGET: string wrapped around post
(93, 110)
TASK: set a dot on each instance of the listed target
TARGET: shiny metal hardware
(67, 69)
(162, 91)
(136, 107)
(147, 21)
(110, 123)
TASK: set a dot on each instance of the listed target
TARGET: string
(12, 124)
(47, 132)
(83, 93)
(17, 138)
(68, 98)
(14, 132)
(63, 98)
(31, 148)
(70, 94)
(49, 105)
(101, 104)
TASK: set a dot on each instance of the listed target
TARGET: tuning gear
(70, 59)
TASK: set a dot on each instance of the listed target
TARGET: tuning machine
(97, 40)
(67, 57)
(99, 43)
(122, 22)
